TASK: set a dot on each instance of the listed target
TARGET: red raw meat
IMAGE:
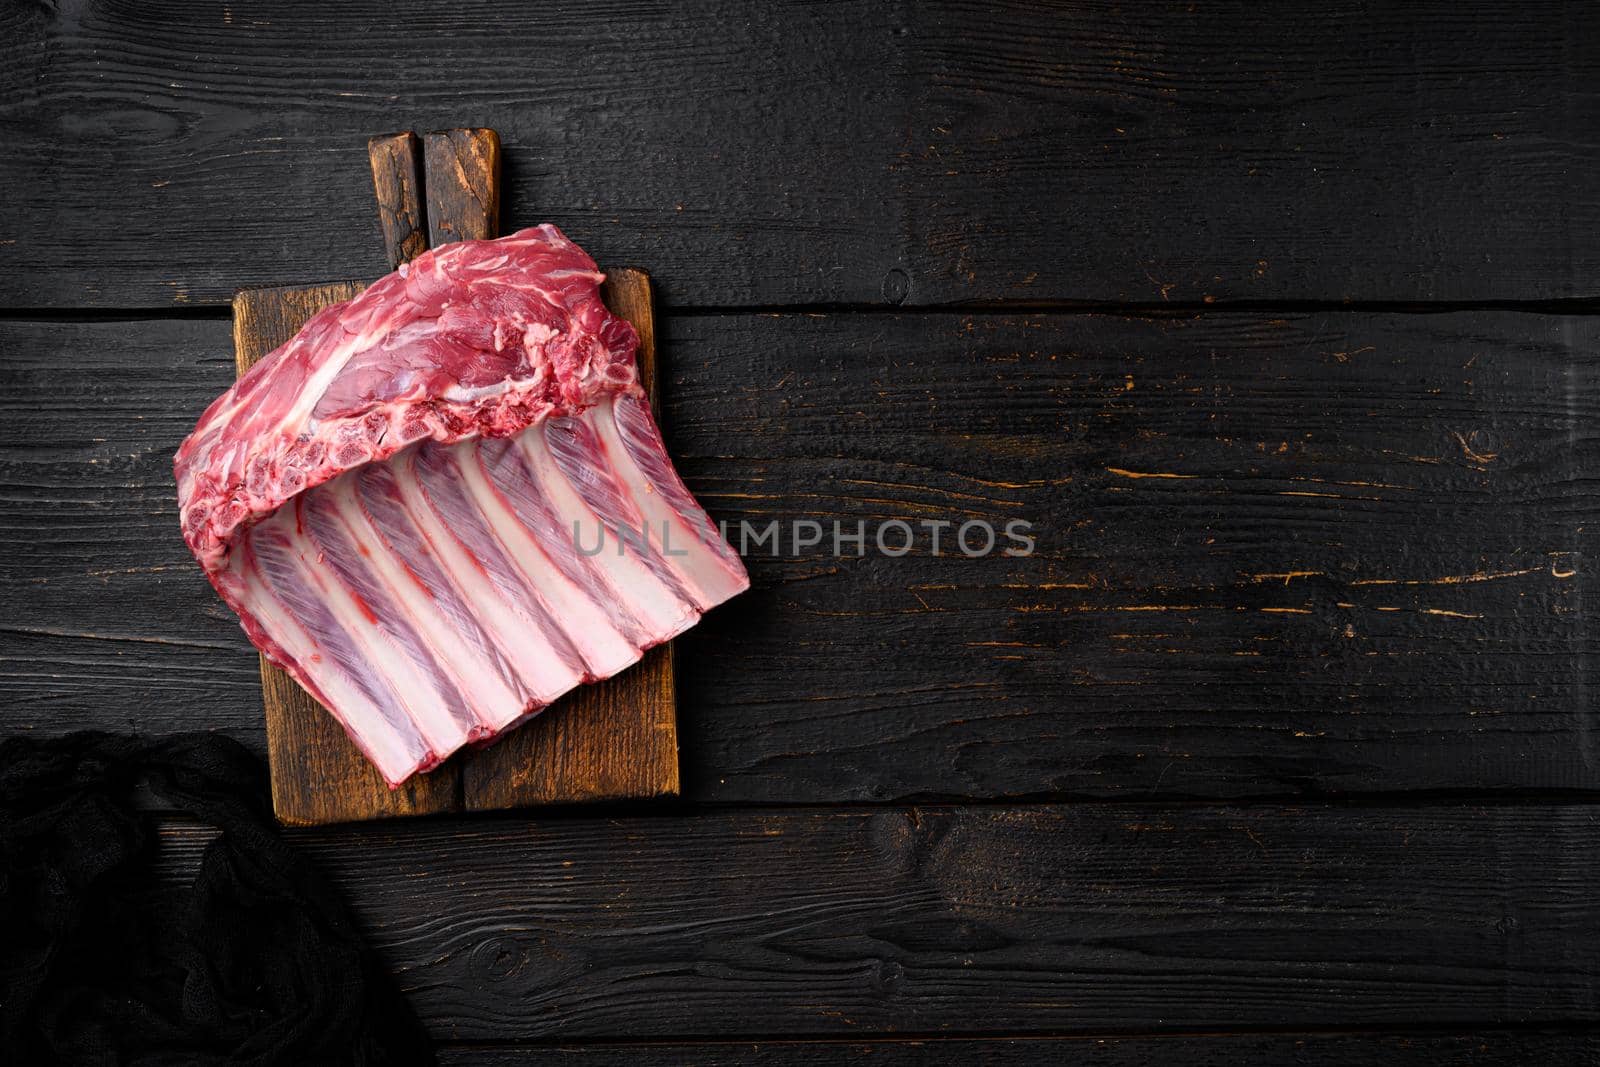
(403, 502)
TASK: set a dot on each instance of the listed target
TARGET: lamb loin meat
(445, 503)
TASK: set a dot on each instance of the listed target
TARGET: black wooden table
(1279, 326)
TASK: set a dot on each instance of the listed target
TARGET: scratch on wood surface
(156, 569)
(1450, 614)
(1121, 473)
(142, 639)
(1475, 456)
(1325, 496)
(1356, 484)
(1164, 287)
(1287, 576)
(1156, 607)
(930, 489)
(1449, 579)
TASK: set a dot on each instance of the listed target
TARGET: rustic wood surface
(858, 152)
(1365, 571)
(979, 920)
(1279, 326)
(1511, 1048)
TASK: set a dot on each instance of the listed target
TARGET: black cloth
(106, 960)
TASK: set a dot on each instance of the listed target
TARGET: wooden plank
(860, 153)
(1273, 552)
(463, 185)
(987, 919)
(612, 740)
(1290, 614)
(318, 774)
(1510, 1048)
(397, 180)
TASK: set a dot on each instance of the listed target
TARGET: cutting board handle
(397, 179)
(435, 189)
(612, 740)
(461, 182)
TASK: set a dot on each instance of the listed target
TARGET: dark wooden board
(1370, 571)
(987, 919)
(1510, 1048)
(613, 740)
(1281, 553)
(607, 741)
(858, 152)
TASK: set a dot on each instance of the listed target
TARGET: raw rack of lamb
(445, 503)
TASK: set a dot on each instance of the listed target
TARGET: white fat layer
(525, 645)
(704, 573)
(605, 650)
(659, 610)
(396, 755)
(490, 696)
(544, 671)
(413, 685)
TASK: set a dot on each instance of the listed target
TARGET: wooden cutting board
(607, 741)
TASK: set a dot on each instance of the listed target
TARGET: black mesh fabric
(105, 959)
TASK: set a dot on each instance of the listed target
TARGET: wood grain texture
(989, 919)
(856, 152)
(1273, 552)
(1278, 552)
(462, 169)
(613, 740)
(318, 774)
(397, 180)
(1502, 1048)
(1359, 559)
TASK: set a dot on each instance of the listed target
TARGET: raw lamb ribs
(445, 503)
